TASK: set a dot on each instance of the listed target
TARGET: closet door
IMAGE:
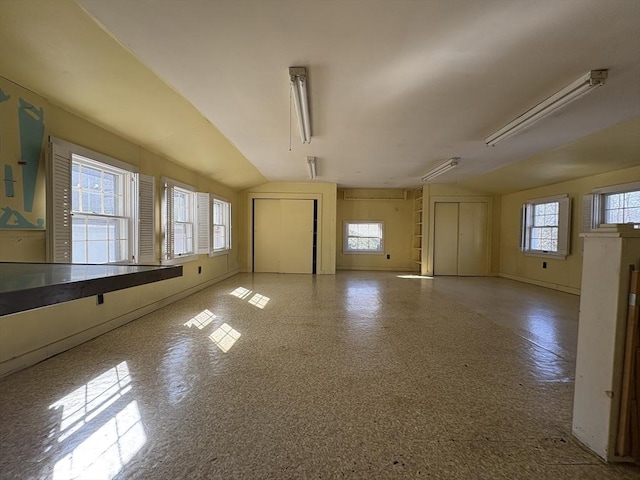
(460, 239)
(296, 242)
(472, 239)
(267, 222)
(445, 258)
(283, 236)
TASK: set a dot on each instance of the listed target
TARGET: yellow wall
(34, 335)
(560, 274)
(325, 193)
(397, 216)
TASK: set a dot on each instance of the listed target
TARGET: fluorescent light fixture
(440, 169)
(311, 164)
(298, 77)
(583, 85)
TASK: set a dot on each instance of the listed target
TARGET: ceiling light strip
(440, 169)
(311, 164)
(298, 78)
(571, 92)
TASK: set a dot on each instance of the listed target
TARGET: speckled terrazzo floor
(357, 375)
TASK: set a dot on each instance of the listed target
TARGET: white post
(604, 296)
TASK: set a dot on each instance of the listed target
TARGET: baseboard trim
(42, 353)
(539, 283)
(375, 269)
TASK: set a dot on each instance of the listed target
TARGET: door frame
(457, 199)
(284, 196)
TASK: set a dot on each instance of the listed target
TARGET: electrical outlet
(388, 256)
(100, 299)
(544, 264)
(199, 270)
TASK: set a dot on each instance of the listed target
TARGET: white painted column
(604, 298)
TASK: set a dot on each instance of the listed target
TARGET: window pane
(183, 238)
(181, 205)
(632, 215)
(79, 254)
(110, 205)
(91, 178)
(544, 239)
(97, 229)
(78, 228)
(219, 237)
(613, 201)
(75, 200)
(109, 182)
(97, 252)
(75, 175)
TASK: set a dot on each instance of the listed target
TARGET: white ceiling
(396, 87)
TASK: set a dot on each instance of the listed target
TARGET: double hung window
(611, 205)
(179, 220)
(221, 225)
(101, 212)
(99, 209)
(545, 226)
(363, 237)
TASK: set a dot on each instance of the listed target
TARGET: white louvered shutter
(146, 227)
(59, 204)
(203, 222)
(564, 226)
(523, 228)
(590, 207)
(168, 241)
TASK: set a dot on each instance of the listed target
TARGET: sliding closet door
(445, 260)
(296, 242)
(267, 225)
(460, 239)
(283, 236)
(472, 239)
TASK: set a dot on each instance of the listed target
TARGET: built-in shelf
(25, 286)
(417, 226)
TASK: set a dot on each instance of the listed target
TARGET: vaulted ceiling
(396, 87)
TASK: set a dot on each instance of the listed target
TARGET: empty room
(319, 239)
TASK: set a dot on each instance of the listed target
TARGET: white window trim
(225, 251)
(345, 238)
(59, 203)
(166, 184)
(564, 227)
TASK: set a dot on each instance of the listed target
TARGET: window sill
(220, 252)
(179, 260)
(557, 256)
(361, 252)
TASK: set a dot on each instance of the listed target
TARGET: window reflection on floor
(257, 300)
(224, 337)
(100, 428)
(241, 292)
(201, 320)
